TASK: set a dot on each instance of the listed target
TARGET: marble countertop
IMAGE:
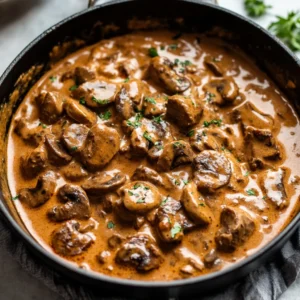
(20, 22)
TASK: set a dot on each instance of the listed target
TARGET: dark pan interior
(180, 16)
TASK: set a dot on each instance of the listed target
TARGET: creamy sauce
(253, 197)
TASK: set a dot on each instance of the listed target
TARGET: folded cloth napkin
(266, 283)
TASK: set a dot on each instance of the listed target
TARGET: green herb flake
(202, 204)
(158, 119)
(209, 97)
(185, 182)
(146, 188)
(176, 182)
(256, 8)
(110, 225)
(130, 193)
(43, 125)
(147, 136)
(52, 78)
(204, 133)
(164, 201)
(186, 63)
(141, 200)
(136, 186)
(127, 79)
(173, 46)
(82, 100)
(175, 230)
(105, 116)
(247, 174)
(191, 133)
(264, 197)
(150, 100)
(15, 197)
(212, 122)
(73, 88)
(74, 148)
(176, 62)
(100, 101)
(251, 192)
(177, 145)
(152, 52)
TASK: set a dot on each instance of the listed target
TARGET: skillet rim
(95, 276)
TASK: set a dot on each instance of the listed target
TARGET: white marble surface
(20, 22)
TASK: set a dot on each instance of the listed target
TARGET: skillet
(270, 54)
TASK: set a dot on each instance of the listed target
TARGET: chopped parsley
(191, 133)
(136, 186)
(147, 136)
(150, 100)
(82, 100)
(176, 182)
(173, 46)
(158, 145)
(247, 173)
(74, 148)
(52, 78)
(264, 197)
(136, 123)
(185, 182)
(256, 8)
(212, 122)
(209, 97)
(15, 197)
(164, 201)
(202, 204)
(251, 192)
(43, 125)
(175, 230)
(152, 52)
(130, 193)
(105, 116)
(73, 88)
(127, 79)
(157, 119)
(100, 101)
(110, 225)
(141, 200)
(177, 145)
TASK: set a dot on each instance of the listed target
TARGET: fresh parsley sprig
(256, 8)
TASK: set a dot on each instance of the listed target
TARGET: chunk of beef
(130, 98)
(195, 206)
(79, 113)
(162, 69)
(212, 170)
(273, 184)
(69, 241)
(155, 105)
(84, 74)
(211, 259)
(106, 66)
(101, 145)
(214, 65)
(30, 133)
(76, 204)
(43, 191)
(104, 182)
(141, 252)
(146, 174)
(74, 137)
(96, 93)
(129, 67)
(123, 213)
(115, 241)
(175, 154)
(35, 162)
(236, 229)
(222, 91)
(140, 196)
(50, 105)
(260, 146)
(74, 171)
(56, 154)
(183, 110)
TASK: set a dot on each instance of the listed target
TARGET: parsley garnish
(110, 225)
(212, 122)
(135, 123)
(202, 204)
(43, 125)
(177, 145)
(52, 78)
(130, 193)
(100, 101)
(15, 197)
(73, 88)
(150, 100)
(251, 192)
(157, 119)
(173, 46)
(191, 133)
(177, 182)
(185, 182)
(247, 173)
(164, 201)
(105, 116)
(209, 96)
(74, 148)
(127, 79)
(152, 52)
(82, 100)
(136, 186)
(256, 8)
(147, 136)
(141, 200)
(175, 230)
(288, 29)
(158, 145)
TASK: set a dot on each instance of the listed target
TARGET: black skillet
(269, 53)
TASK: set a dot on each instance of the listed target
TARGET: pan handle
(92, 3)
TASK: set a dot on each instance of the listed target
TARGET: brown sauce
(219, 138)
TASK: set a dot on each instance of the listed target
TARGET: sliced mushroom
(101, 145)
(84, 74)
(74, 171)
(222, 91)
(212, 170)
(106, 66)
(74, 137)
(129, 66)
(76, 204)
(79, 113)
(146, 174)
(140, 196)
(184, 110)
(69, 241)
(43, 191)
(211, 259)
(273, 184)
(123, 213)
(104, 182)
(163, 69)
(155, 105)
(130, 98)
(141, 252)
(175, 154)
(50, 106)
(195, 205)
(35, 162)
(56, 153)
(236, 229)
(96, 93)
(214, 64)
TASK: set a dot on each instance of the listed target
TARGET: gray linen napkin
(266, 283)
